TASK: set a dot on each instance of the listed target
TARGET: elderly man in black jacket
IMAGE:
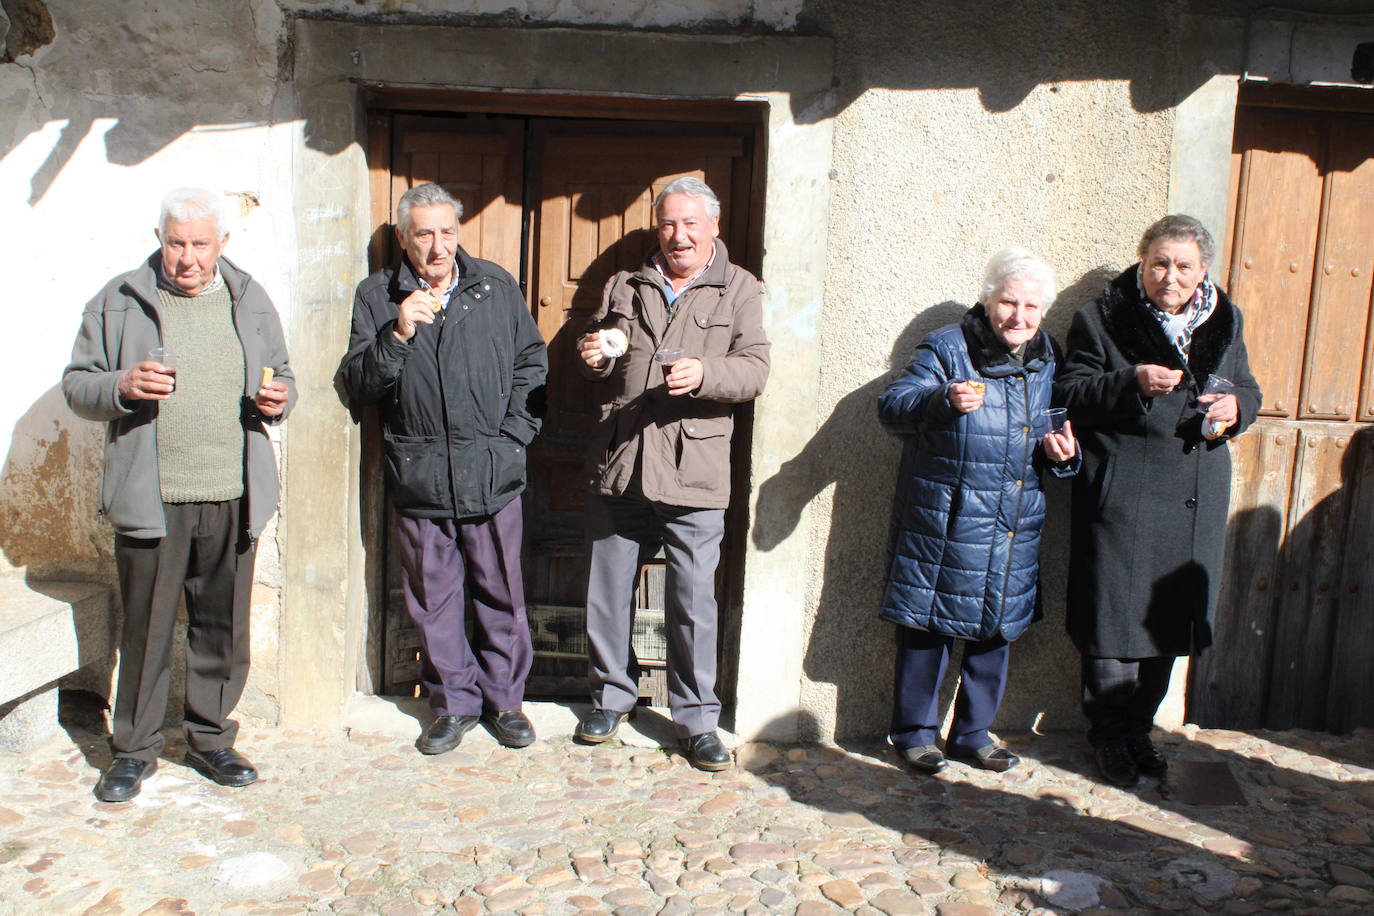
(446, 345)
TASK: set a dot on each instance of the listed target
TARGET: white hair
(185, 205)
(1014, 262)
(691, 187)
(424, 195)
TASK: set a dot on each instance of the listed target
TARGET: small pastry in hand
(979, 388)
(614, 342)
(267, 374)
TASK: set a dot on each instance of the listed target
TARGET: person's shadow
(855, 555)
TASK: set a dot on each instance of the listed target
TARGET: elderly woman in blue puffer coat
(965, 544)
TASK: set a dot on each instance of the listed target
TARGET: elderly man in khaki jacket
(676, 344)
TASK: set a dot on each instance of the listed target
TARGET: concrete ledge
(47, 631)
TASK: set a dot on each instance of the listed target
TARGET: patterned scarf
(1179, 328)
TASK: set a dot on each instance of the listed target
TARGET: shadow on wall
(238, 76)
(849, 647)
(50, 495)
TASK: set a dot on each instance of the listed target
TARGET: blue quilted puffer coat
(964, 553)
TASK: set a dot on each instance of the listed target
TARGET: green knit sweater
(199, 432)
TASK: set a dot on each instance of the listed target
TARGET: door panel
(479, 163)
(595, 216)
(1336, 346)
(1311, 558)
(1229, 682)
(1350, 701)
(1271, 266)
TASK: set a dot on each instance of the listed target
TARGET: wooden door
(585, 205)
(1294, 622)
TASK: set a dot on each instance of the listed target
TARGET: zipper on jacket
(443, 393)
(1020, 492)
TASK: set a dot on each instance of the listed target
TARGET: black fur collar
(1141, 340)
(990, 356)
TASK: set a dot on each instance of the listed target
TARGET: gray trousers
(624, 531)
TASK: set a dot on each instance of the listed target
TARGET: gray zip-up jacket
(118, 328)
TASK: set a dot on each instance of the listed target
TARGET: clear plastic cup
(1055, 418)
(666, 356)
(1215, 388)
(167, 359)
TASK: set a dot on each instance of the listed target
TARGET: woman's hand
(1157, 380)
(1061, 446)
(1223, 410)
(963, 397)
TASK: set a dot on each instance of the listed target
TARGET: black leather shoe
(925, 758)
(225, 766)
(510, 727)
(600, 725)
(1115, 763)
(989, 757)
(446, 733)
(1148, 760)
(707, 753)
(121, 781)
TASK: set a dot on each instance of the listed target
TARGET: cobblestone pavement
(352, 822)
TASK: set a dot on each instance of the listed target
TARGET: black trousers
(1121, 695)
(207, 555)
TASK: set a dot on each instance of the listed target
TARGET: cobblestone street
(357, 822)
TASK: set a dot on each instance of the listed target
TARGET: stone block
(47, 631)
(27, 722)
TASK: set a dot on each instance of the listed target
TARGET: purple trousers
(444, 563)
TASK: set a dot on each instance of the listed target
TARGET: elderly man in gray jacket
(676, 345)
(183, 358)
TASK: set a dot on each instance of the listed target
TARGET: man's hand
(590, 350)
(1061, 446)
(146, 381)
(684, 375)
(418, 308)
(963, 397)
(1157, 380)
(271, 399)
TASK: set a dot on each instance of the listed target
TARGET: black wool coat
(1150, 505)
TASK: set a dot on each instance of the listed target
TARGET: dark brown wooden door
(1295, 622)
(581, 212)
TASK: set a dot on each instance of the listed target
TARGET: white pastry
(614, 342)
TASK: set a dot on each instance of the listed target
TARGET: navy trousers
(921, 661)
(444, 563)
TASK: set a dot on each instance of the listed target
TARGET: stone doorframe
(324, 588)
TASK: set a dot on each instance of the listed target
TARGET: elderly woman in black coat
(1150, 506)
(965, 547)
